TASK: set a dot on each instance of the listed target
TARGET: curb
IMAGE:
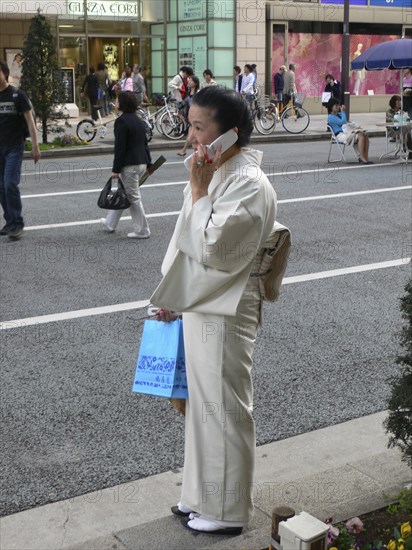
(162, 145)
(302, 471)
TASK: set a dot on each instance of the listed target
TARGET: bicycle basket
(299, 99)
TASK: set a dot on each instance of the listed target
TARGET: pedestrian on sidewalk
(178, 84)
(208, 79)
(16, 118)
(193, 84)
(126, 84)
(238, 78)
(279, 83)
(131, 159)
(139, 87)
(104, 81)
(229, 205)
(332, 90)
(289, 88)
(248, 79)
(90, 87)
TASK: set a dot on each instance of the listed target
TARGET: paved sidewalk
(373, 122)
(343, 469)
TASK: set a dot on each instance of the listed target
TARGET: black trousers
(93, 104)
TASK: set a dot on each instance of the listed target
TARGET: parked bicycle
(263, 117)
(153, 118)
(87, 128)
(173, 122)
(294, 118)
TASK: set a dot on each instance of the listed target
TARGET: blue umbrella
(393, 54)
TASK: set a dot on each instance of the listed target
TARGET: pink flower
(354, 526)
(329, 519)
(333, 533)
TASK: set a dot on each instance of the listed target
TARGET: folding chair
(396, 149)
(340, 147)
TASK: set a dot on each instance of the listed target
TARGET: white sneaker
(138, 235)
(107, 227)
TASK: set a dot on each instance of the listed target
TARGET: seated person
(337, 121)
(395, 106)
(407, 91)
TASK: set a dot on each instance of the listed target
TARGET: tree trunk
(44, 129)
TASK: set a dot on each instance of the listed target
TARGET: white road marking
(175, 213)
(67, 315)
(344, 271)
(81, 191)
(42, 168)
(284, 173)
(38, 168)
(90, 222)
(350, 194)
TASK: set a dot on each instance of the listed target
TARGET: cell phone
(226, 140)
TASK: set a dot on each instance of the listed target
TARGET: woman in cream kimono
(228, 212)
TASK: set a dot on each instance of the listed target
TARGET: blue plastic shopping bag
(160, 366)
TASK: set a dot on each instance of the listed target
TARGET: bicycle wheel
(86, 130)
(173, 125)
(265, 121)
(295, 120)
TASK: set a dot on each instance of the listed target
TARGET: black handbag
(113, 200)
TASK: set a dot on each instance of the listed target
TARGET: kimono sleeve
(223, 236)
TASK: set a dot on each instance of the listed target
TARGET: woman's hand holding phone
(202, 170)
(206, 160)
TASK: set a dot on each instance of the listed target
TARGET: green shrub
(399, 421)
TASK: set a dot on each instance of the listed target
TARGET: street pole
(345, 58)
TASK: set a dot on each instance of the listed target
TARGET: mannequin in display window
(359, 75)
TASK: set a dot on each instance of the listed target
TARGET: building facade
(162, 35)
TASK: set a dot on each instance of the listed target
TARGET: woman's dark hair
(100, 67)
(196, 81)
(333, 101)
(127, 71)
(127, 102)
(329, 76)
(393, 100)
(237, 69)
(228, 109)
(249, 67)
(187, 70)
(209, 72)
(92, 70)
(5, 70)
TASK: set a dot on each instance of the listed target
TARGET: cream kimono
(206, 276)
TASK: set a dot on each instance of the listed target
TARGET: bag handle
(120, 182)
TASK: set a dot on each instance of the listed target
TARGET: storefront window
(116, 33)
(319, 53)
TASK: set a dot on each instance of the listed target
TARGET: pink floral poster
(316, 55)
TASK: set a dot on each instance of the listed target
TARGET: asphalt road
(70, 423)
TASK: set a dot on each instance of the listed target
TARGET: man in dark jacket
(131, 160)
(90, 87)
(279, 83)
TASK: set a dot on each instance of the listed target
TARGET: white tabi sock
(202, 523)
